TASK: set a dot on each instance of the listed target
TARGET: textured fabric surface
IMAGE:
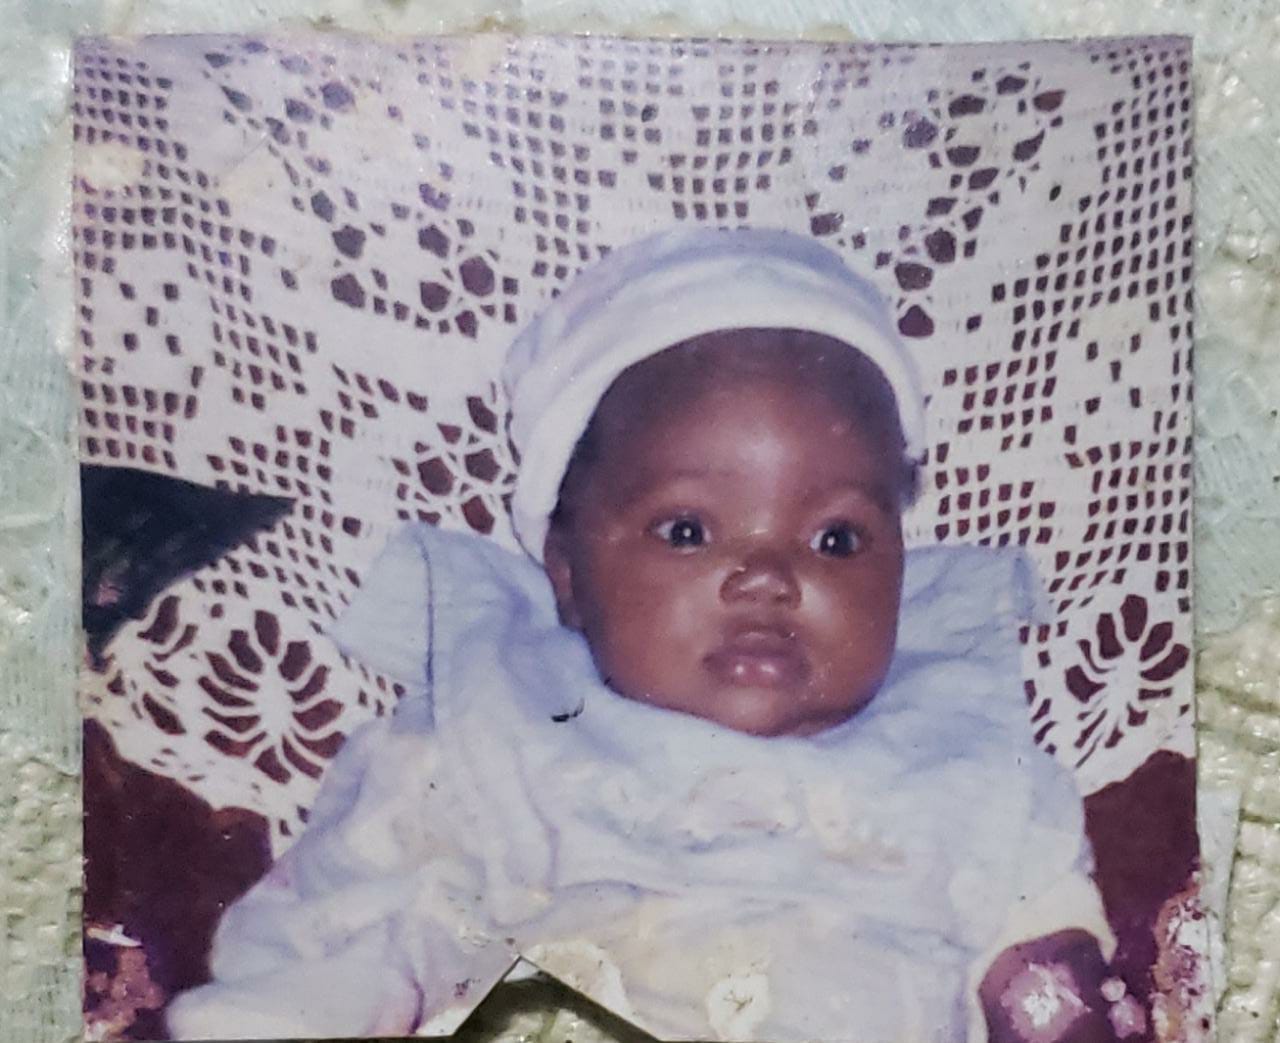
(1238, 393)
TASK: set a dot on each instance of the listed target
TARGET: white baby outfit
(707, 884)
(850, 886)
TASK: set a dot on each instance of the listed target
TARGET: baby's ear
(558, 563)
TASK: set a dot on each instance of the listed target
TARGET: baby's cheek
(857, 639)
(678, 611)
(650, 639)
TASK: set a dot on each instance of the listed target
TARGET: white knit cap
(658, 292)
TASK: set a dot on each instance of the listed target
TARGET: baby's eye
(681, 533)
(837, 541)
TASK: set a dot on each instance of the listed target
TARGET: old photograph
(707, 522)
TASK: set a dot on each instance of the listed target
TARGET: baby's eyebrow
(645, 483)
(878, 494)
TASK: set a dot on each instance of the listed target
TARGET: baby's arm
(311, 948)
(1051, 990)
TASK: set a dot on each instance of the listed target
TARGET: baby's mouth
(759, 657)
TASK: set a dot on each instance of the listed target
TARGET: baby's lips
(759, 657)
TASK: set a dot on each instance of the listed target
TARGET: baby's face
(735, 552)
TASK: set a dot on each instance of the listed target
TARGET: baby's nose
(763, 576)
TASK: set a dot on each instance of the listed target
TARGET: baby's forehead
(806, 402)
(740, 365)
(737, 356)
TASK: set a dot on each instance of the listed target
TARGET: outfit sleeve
(1025, 869)
(315, 947)
(1057, 891)
(1055, 886)
(962, 605)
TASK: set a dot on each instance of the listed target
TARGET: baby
(719, 751)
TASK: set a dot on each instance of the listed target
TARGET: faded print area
(302, 263)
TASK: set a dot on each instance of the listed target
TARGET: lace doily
(300, 262)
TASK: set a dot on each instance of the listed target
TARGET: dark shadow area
(143, 531)
(160, 866)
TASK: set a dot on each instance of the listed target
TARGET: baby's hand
(1056, 989)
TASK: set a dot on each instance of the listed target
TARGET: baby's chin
(766, 713)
